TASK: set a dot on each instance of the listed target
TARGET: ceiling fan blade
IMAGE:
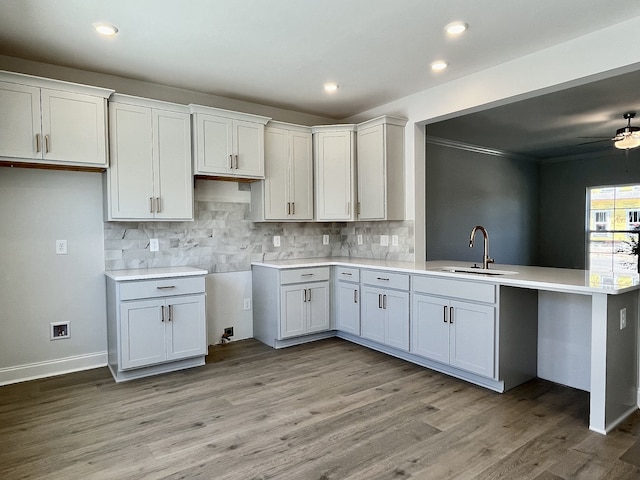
(594, 137)
(595, 141)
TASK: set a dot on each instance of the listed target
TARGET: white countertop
(539, 278)
(152, 273)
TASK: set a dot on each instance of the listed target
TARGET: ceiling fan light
(630, 141)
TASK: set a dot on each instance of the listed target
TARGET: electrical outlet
(325, 239)
(61, 247)
(60, 330)
(276, 240)
(359, 239)
(247, 304)
(154, 245)
(228, 332)
(384, 240)
(394, 240)
(623, 318)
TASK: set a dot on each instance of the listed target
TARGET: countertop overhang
(153, 273)
(584, 282)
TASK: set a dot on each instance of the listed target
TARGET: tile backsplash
(223, 239)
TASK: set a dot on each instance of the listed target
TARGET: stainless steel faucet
(486, 259)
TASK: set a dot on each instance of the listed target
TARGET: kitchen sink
(477, 271)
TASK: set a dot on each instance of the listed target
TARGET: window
(613, 215)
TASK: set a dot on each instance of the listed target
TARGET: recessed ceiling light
(105, 29)
(330, 87)
(456, 28)
(439, 65)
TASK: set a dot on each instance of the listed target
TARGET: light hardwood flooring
(326, 410)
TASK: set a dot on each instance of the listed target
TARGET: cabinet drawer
(348, 274)
(161, 287)
(378, 278)
(478, 292)
(298, 275)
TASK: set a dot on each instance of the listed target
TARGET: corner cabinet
(380, 162)
(53, 124)
(228, 144)
(286, 194)
(290, 306)
(155, 325)
(335, 174)
(150, 176)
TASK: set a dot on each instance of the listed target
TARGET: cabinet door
(348, 307)
(396, 325)
(172, 179)
(248, 138)
(214, 137)
(372, 173)
(301, 176)
(276, 182)
(430, 328)
(73, 126)
(317, 307)
(293, 311)
(186, 327)
(131, 175)
(372, 318)
(142, 337)
(19, 121)
(472, 338)
(334, 176)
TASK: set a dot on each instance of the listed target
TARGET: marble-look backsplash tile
(223, 239)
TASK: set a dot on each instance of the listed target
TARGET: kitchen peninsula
(480, 327)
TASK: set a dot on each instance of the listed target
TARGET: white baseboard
(50, 368)
(638, 397)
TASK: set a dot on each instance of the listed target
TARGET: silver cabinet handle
(379, 300)
(236, 162)
(230, 161)
(355, 296)
(450, 314)
(383, 279)
(384, 302)
(306, 274)
(444, 314)
(347, 273)
(166, 287)
(46, 144)
(150, 204)
(358, 208)
(309, 294)
(157, 204)
(37, 143)
(288, 208)
(162, 310)
(293, 208)
(304, 295)
(170, 313)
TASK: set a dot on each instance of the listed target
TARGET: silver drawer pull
(166, 288)
(385, 279)
(306, 274)
(345, 273)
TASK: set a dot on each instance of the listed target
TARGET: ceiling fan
(625, 138)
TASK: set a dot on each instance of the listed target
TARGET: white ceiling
(281, 52)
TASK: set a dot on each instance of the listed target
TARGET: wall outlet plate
(61, 247)
(359, 239)
(384, 240)
(325, 239)
(247, 304)
(276, 240)
(623, 318)
(154, 245)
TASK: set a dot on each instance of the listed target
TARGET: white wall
(38, 207)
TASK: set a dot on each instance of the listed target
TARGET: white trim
(50, 368)
(41, 82)
(638, 397)
(443, 142)
(614, 424)
(220, 112)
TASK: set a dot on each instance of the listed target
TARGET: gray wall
(467, 188)
(563, 203)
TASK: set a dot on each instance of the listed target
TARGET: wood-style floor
(327, 410)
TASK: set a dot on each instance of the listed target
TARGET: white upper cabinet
(287, 190)
(228, 144)
(150, 175)
(334, 147)
(380, 160)
(48, 122)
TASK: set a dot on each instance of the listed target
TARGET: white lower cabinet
(385, 310)
(347, 300)
(305, 309)
(155, 326)
(460, 334)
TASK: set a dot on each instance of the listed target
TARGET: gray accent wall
(466, 188)
(563, 187)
